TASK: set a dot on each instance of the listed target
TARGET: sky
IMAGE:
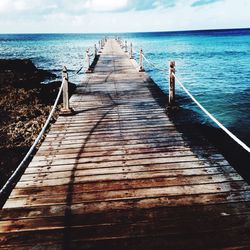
(94, 16)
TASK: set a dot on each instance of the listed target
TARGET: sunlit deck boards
(120, 175)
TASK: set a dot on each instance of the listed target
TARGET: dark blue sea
(214, 65)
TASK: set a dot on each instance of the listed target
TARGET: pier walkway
(120, 174)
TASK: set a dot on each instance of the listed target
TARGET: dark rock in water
(17, 65)
(22, 73)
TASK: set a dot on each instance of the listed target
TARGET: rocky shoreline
(25, 104)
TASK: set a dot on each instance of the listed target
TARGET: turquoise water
(214, 65)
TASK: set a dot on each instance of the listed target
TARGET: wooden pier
(120, 174)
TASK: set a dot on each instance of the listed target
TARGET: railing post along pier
(95, 50)
(126, 46)
(121, 43)
(88, 62)
(87, 58)
(141, 61)
(65, 110)
(171, 83)
(65, 89)
(100, 47)
(131, 51)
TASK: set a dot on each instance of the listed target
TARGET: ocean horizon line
(129, 32)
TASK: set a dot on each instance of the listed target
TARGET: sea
(214, 65)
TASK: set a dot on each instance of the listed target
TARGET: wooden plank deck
(121, 175)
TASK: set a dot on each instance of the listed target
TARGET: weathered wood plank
(121, 154)
(222, 166)
(125, 184)
(181, 202)
(31, 182)
(113, 150)
(130, 172)
(131, 194)
(109, 228)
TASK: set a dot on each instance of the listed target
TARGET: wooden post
(87, 58)
(66, 110)
(96, 51)
(65, 89)
(126, 46)
(171, 83)
(141, 61)
(131, 51)
(88, 62)
(100, 47)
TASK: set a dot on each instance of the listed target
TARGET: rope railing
(20, 167)
(234, 137)
(78, 71)
(141, 56)
(85, 67)
(87, 61)
(153, 64)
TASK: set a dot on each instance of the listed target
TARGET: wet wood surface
(120, 174)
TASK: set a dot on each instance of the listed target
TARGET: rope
(79, 70)
(152, 64)
(20, 166)
(236, 139)
(76, 72)
(135, 52)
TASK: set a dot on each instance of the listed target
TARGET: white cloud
(22, 5)
(8, 7)
(4, 5)
(120, 15)
(107, 5)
